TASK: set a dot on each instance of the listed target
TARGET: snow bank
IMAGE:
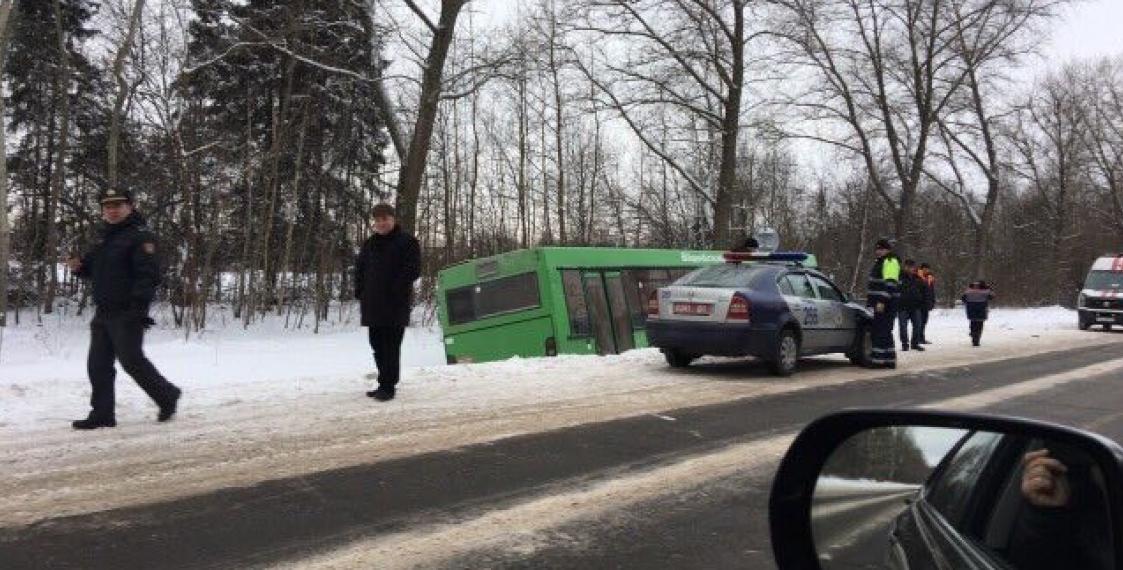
(43, 379)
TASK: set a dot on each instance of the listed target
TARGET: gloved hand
(138, 312)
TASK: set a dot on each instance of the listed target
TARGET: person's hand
(74, 263)
(1045, 480)
(879, 308)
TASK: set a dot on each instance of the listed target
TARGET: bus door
(621, 317)
(608, 311)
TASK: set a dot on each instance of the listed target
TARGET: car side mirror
(900, 489)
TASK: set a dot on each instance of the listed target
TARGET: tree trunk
(58, 178)
(7, 9)
(413, 167)
(731, 120)
(122, 91)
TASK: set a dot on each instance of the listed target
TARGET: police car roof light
(784, 256)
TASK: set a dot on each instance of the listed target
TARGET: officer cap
(111, 196)
(883, 243)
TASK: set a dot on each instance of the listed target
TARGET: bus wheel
(678, 359)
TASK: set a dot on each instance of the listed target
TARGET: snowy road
(556, 462)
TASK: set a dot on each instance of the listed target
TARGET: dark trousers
(884, 350)
(386, 342)
(119, 338)
(914, 316)
(976, 332)
(924, 324)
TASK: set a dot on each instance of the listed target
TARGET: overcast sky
(1087, 29)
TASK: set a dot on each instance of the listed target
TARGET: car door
(838, 320)
(934, 534)
(803, 303)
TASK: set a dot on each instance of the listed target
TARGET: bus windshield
(1104, 280)
(720, 276)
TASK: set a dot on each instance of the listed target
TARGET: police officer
(882, 295)
(125, 271)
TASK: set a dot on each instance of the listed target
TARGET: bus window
(490, 298)
(640, 283)
(575, 303)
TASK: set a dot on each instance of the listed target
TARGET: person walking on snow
(388, 264)
(882, 296)
(976, 300)
(124, 270)
(911, 303)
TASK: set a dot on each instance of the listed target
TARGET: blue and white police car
(767, 305)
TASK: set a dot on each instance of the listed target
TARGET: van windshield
(1104, 280)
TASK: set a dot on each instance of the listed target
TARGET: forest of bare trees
(256, 136)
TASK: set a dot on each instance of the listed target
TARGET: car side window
(786, 287)
(826, 290)
(800, 285)
(950, 490)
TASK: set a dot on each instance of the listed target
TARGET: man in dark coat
(125, 271)
(910, 307)
(929, 280)
(388, 264)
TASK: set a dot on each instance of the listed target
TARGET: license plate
(696, 309)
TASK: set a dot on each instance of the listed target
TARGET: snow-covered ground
(266, 402)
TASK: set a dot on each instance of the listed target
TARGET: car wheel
(1084, 324)
(1107, 327)
(783, 363)
(678, 359)
(862, 353)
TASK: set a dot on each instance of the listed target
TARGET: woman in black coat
(388, 264)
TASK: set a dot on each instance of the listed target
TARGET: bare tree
(414, 157)
(685, 55)
(123, 50)
(7, 14)
(1048, 141)
(879, 75)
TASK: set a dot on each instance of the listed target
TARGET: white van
(1101, 299)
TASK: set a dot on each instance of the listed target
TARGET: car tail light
(738, 308)
(653, 304)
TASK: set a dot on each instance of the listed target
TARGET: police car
(765, 305)
(1101, 300)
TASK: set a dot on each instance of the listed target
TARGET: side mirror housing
(873, 471)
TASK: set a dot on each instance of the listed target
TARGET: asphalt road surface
(684, 489)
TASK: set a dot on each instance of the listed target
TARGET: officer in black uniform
(883, 295)
(125, 271)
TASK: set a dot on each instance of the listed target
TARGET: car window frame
(806, 276)
(841, 297)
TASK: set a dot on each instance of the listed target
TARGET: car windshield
(1104, 280)
(727, 275)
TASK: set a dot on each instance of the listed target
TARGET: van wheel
(862, 352)
(678, 359)
(783, 362)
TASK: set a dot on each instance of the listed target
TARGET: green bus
(547, 301)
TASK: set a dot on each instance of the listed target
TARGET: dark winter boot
(93, 422)
(905, 347)
(382, 394)
(167, 409)
(918, 347)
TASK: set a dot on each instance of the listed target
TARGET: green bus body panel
(524, 333)
(525, 338)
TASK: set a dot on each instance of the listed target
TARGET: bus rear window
(490, 298)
